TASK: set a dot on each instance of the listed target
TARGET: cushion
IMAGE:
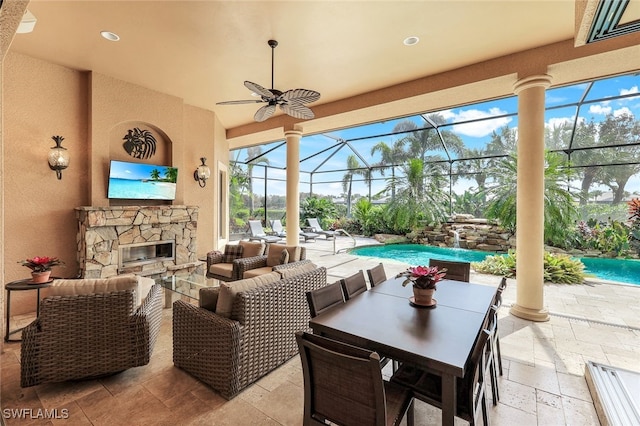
(209, 298)
(252, 248)
(257, 271)
(73, 287)
(228, 291)
(284, 257)
(275, 250)
(224, 269)
(232, 252)
(291, 272)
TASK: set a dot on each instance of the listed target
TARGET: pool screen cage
(592, 128)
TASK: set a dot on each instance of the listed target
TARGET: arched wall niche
(139, 142)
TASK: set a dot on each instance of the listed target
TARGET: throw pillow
(294, 253)
(209, 298)
(228, 291)
(284, 257)
(252, 248)
(232, 252)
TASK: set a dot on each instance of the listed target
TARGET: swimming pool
(620, 270)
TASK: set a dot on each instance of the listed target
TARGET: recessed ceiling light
(110, 36)
(410, 41)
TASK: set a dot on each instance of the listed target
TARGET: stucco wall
(42, 99)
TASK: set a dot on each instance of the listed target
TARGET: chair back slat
(324, 298)
(354, 285)
(458, 271)
(377, 275)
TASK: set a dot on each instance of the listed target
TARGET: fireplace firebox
(148, 252)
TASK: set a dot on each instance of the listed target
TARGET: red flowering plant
(41, 263)
(425, 277)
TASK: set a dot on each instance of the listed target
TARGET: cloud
(622, 111)
(633, 90)
(600, 109)
(480, 128)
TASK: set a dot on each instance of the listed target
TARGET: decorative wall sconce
(58, 156)
(202, 173)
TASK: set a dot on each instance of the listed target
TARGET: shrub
(558, 268)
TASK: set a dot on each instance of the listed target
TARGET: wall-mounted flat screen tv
(138, 181)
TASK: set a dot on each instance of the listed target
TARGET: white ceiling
(202, 51)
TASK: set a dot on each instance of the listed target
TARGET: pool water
(620, 270)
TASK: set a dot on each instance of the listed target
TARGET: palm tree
(171, 174)
(354, 169)
(391, 156)
(155, 174)
(559, 207)
(419, 196)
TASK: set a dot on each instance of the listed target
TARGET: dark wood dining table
(439, 339)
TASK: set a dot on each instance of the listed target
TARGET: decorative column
(293, 182)
(530, 199)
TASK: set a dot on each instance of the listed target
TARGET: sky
(125, 170)
(474, 124)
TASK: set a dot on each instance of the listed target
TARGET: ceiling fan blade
(297, 111)
(258, 90)
(264, 112)
(301, 96)
(247, 101)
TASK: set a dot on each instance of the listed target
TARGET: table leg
(448, 399)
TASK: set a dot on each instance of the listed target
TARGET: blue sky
(125, 170)
(491, 116)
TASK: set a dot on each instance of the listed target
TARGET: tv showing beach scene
(138, 181)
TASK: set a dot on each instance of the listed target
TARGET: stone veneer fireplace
(160, 240)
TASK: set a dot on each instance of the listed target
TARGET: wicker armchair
(229, 354)
(236, 259)
(71, 339)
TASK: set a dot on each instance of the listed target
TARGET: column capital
(295, 130)
(540, 80)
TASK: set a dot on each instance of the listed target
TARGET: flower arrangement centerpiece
(424, 277)
(424, 280)
(41, 267)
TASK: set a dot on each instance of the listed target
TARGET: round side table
(22, 285)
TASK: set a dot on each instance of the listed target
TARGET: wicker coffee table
(185, 286)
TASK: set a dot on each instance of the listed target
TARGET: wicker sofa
(241, 261)
(89, 328)
(229, 354)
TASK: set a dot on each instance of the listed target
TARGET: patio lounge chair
(308, 236)
(314, 224)
(277, 228)
(258, 234)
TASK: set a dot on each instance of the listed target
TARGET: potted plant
(424, 280)
(41, 267)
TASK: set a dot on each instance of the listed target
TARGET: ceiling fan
(291, 102)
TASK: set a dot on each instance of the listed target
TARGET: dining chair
(495, 340)
(343, 384)
(458, 271)
(325, 298)
(376, 275)
(471, 398)
(353, 285)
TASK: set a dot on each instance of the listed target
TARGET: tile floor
(543, 382)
